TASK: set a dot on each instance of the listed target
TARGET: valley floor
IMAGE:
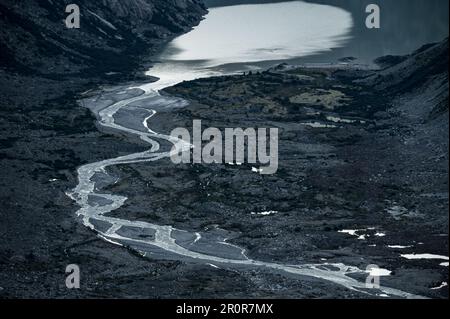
(363, 179)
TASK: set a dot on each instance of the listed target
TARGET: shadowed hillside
(34, 39)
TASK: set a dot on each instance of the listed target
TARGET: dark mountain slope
(45, 135)
(423, 73)
(34, 38)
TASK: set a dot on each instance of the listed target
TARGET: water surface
(250, 33)
(242, 37)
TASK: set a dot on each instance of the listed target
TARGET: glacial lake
(237, 38)
(252, 33)
(251, 36)
(230, 39)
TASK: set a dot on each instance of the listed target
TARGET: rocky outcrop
(424, 73)
(412, 71)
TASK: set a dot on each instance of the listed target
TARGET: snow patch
(256, 170)
(424, 256)
(399, 247)
(351, 232)
(268, 213)
(318, 125)
(443, 285)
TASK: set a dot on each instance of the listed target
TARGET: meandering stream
(140, 104)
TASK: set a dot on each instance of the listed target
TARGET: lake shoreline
(374, 123)
(45, 236)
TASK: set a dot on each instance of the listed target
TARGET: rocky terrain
(359, 150)
(112, 35)
(45, 134)
(363, 176)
